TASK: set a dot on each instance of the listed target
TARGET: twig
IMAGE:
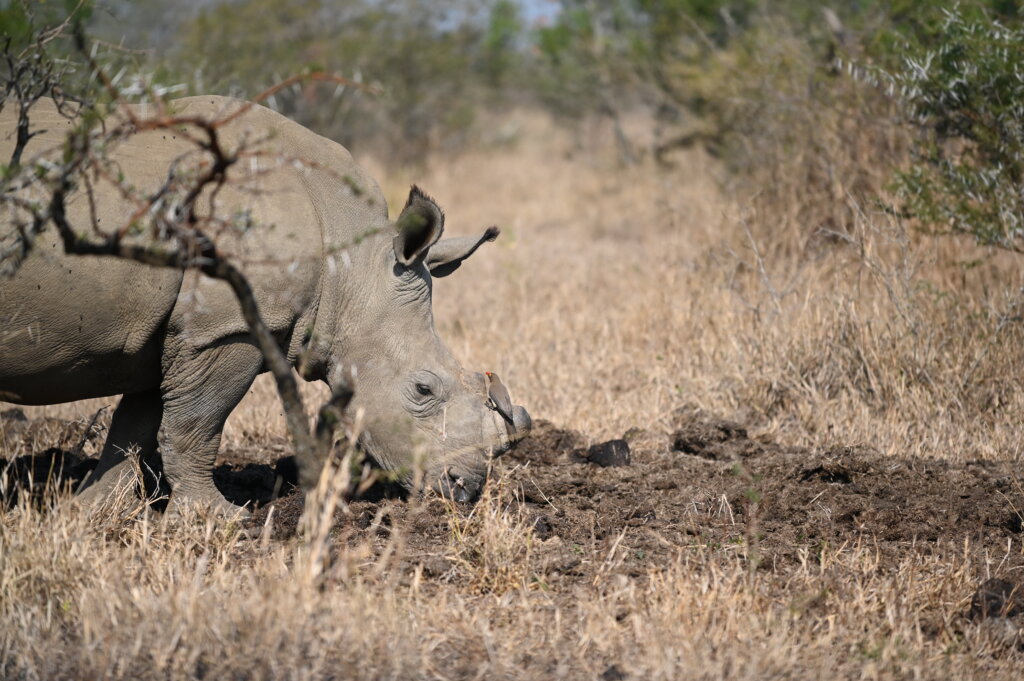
(761, 268)
(77, 451)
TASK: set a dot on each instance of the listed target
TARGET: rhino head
(422, 411)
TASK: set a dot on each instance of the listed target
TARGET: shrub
(964, 92)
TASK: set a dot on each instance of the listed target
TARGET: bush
(964, 92)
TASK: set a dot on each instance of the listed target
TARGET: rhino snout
(463, 480)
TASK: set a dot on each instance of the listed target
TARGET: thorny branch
(33, 77)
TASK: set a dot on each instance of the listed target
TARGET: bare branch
(183, 241)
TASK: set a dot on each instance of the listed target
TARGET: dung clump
(607, 454)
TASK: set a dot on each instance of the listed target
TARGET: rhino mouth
(464, 473)
(457, 473)
(460, 488)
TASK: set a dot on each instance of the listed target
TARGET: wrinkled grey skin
(330, 273)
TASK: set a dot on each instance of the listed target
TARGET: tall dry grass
(125, 594)
(614, 296)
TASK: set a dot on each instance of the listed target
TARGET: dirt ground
(707, 486)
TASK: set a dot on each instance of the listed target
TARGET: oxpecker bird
(499, 396)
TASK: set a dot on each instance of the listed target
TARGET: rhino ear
(419, 227)
(447, 254)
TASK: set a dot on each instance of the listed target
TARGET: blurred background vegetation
(820, 109)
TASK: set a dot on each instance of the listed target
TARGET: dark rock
(611, 453)
(12, 415)
(997, 598)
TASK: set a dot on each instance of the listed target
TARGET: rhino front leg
(134, 425)
(200, 390)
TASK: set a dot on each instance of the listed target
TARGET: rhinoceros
(335, 280)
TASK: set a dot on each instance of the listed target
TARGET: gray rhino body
(330, 272)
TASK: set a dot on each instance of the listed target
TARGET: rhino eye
(424, 394)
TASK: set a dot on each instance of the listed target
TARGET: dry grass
(614, 296)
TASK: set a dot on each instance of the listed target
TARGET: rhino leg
(199, 391)
(134, 425)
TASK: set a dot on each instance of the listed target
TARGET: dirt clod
(13, 415)
(713, 438)
(436, 566)
(613, 673)
(608, 454)
(542, 528)
(283, 514)
(546, 444)
(997, 598)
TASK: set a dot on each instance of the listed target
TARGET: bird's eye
(424, 389)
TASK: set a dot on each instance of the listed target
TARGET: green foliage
(227, 55)
(713, 20)
(429, 63)
(964, 91)
(20, 20)
(753, 82)
(759, 85)
(500, 43)
(568, 79)
(685, 56)
(48, 47)
(909, 26)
